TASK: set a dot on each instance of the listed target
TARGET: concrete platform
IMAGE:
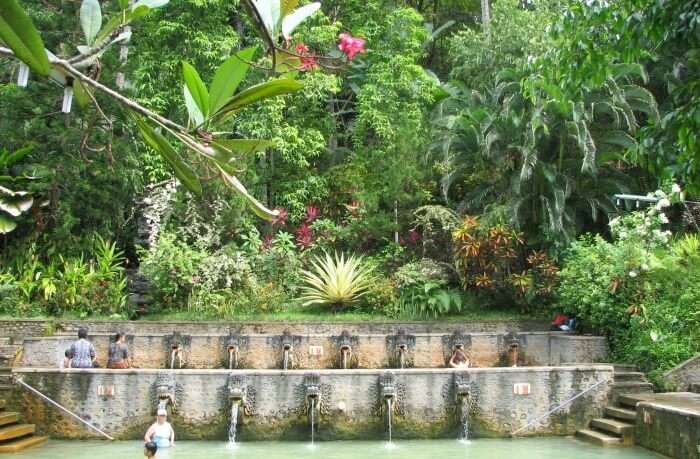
(669, 423)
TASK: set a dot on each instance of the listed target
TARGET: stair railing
(62, 408)
(557, 408)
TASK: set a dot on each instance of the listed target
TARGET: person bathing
(161, 432)
(118, 353)
(459, 358)
(82, 352)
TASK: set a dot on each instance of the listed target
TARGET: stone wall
(350, 401)
(19, 329)
(316, 351)
(685, 375)
(670, 425)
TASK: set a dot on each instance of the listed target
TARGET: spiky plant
(335, 280)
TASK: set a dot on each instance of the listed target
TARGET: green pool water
(526, 448)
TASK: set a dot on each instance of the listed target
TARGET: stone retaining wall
(19, 329)
(685, 375)
(670, 427)
(123, 402)
(316, 351)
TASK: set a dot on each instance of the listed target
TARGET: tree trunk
(486, 17)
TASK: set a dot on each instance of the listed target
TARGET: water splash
(233, 426)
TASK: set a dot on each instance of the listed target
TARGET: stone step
(630, 400)
(623, 414)
(22, 443)
(8, 417)
(614, 427)
(630, 376)
(632, 387)
(16, 431)
(624, 367)
(599, 438)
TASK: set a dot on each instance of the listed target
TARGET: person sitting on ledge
(65, 363)
(161, 432)
(82, 352)
(118, 353)
(150, 449)
(459, 358)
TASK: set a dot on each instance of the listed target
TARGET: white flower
(663, 202)
(675, 188)
(663, 218)
(645, 267)
(633, 273)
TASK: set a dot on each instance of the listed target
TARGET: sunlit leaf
(256, 206)
(193, 110)
(291, 21)
(90, 19)
(256, 93)
(228, 76)
(196, 87)
(160, 144)
(20, 35)
(6, 225)
(149, 3)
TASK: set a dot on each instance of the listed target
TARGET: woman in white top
(161, 432)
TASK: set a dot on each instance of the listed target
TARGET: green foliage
(336, 281)
(424, 290)
(638, 290)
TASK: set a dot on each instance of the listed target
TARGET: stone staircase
(8, 353)
(616, 427)
(15, 436)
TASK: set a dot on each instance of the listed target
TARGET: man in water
(149, 450)
(161, 432)
(82, 352)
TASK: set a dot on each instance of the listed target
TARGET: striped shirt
(82, 353)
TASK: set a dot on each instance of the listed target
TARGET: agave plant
(335, 280)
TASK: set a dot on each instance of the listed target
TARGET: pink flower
(302, 49)
(351, 46)
(308, 63)
(305, 236)
(311, 214)
(281, 218)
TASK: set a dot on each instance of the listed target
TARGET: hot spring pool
(526, 448)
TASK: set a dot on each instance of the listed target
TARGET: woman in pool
(161, 432)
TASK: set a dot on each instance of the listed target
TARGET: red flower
(266, 243)
(281, 218)
(305, 236)
(413, 236)
(302, 49)
(311, 214)
(351, 46)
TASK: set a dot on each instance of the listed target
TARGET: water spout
(402, 355)
(286, 360)
(514, 347)
(233, 426)
(313, 419)
(389, 407)
(175, 355)
(345, 351)
(232, 357)
(463, 402)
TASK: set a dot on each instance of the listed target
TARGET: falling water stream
(344, 353)
(173, 354)
(388, 416)
(286, 358)
(402, 358)
(313, 420)
(464, 417)
(232, 358)
(233, 426)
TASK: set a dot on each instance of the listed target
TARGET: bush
(640, 290)
(380, 298)
(424, 291)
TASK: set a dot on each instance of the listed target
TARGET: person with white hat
(161, 432)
